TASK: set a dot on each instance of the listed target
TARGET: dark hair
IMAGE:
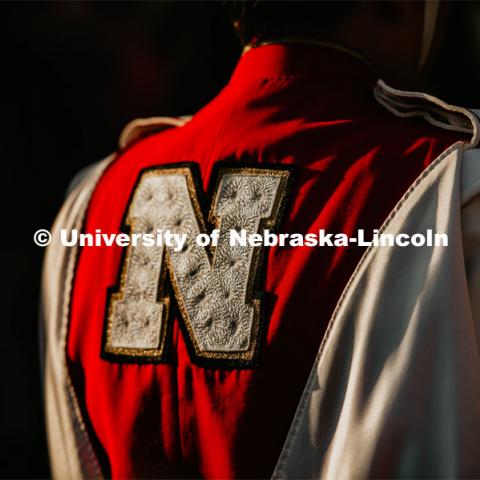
(263, 20)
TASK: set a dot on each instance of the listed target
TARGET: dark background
(72, 74)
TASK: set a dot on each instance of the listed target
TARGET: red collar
(303, 60)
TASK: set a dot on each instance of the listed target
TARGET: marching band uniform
(368, 361)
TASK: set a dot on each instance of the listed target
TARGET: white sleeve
(71, 453)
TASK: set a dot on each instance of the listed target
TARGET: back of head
(397, 37)
(260, 21)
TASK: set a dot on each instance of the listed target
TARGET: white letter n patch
(217, 289)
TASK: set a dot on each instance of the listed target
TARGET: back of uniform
(190, 362)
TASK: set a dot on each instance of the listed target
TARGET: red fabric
(307, 106)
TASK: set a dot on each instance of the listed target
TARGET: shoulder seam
(435, 111)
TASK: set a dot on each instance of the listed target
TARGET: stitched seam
(382, 89)
(227, 115)
(419, 113)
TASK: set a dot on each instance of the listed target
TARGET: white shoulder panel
(71, 453)
(141, 127)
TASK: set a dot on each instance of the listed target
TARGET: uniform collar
(304, 59)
